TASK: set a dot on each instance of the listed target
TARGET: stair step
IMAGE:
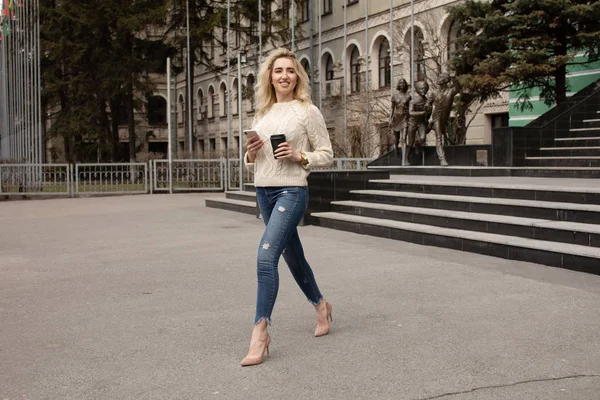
(533, 228)
(578, 138)
(246, 207)
(562, 152)
(525, 171)
(585, 141)
(564, 161)
(563, 158)
(241, 195)
(592, 128)
(584, 213)
(571, 256)
(570, 148)
(529, 189)
(592, 120)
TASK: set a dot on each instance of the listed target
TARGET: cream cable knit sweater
(304, 129)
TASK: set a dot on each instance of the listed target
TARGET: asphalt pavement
(152, 297)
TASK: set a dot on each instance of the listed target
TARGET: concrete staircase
(579, 147)
(243, 201)
(547, 221)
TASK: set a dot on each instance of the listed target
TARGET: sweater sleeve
(248, 164)
(322, 152)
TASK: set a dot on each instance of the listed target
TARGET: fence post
(76, 178)
(72, 180)
(146, 167)
(170, 169)
(224, 174)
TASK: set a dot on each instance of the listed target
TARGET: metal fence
(111, 178)
(342, 164)
(35, 179)
(233, 173)
(188, 175)
(133, 178)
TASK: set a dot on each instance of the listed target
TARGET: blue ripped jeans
(282, 209)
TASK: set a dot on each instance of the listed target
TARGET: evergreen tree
(96, 64)
(524, 42)
(98, 57)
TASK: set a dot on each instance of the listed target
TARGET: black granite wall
(459, 155)
(327, 186)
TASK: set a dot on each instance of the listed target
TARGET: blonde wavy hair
(264, 91)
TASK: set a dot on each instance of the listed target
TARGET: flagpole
(227, 91)
(15, 93)
(28, 85)
(346, 70)
(391, 52)
(9, 89)
(15, 97)
(12, 95)
(20, 84)
(367, 61)
(292, 18)
(40, 144)
(322, 74)
(30, 99)
(5, 139)
(170, 146)
(311, 54)
(22, 114)
(412, 48)
(240, 126)
(190, 82)
(260, 33)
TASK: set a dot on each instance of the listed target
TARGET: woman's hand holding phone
(253, 144)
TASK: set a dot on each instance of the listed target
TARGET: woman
(284, 107)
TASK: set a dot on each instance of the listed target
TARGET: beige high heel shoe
(323, 330)
(249, 361)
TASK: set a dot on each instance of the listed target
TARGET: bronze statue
(442, 105)
(419, 109)
(399, 117)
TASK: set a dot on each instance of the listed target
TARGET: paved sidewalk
(152, 297)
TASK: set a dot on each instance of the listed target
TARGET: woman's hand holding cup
(285, 151)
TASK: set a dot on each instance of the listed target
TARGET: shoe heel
(267, 346)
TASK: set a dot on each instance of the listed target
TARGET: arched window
(223, 99)
(211, 102)
(181, 110)
(157, 110)
(452, 39)
(329, 68)
(305, 64)
(354, 71)
(384, 64)
(199, 99)
(234, 98)
(250, 90)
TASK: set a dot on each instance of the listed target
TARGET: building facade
(354, 53)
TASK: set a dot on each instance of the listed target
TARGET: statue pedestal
(459, 155)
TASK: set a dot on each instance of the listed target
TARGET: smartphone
(251, 134)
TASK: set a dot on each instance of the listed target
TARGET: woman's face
(402, 85)
(284, 79)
